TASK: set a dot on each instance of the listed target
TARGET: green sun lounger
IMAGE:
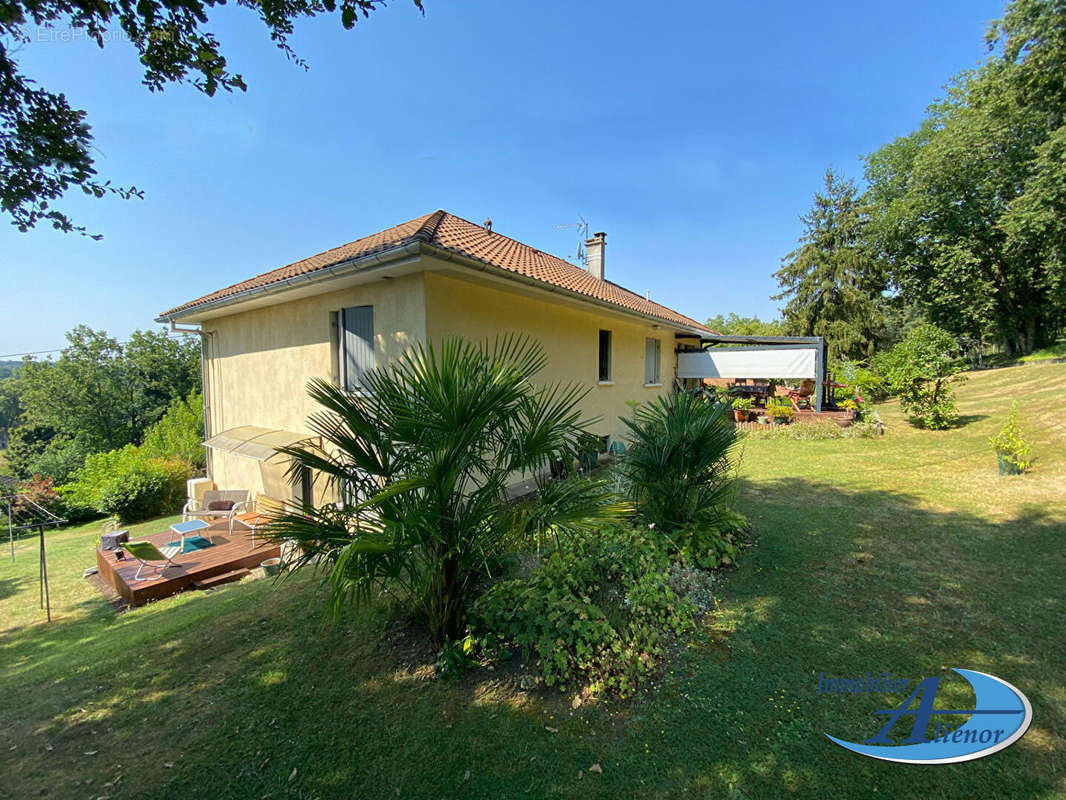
(146, 552)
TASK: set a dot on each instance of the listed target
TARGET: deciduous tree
(99, 395)
(736, 325)
(46, 144)
(970, 209)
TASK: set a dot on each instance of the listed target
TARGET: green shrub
(719, 394)
(710, 546)
(129, 484)
(1009, 444)
(598, 610)
(743, 403)
(38, 450)
(920, 370)
(823, 429)
(863, 384)
(179, 433)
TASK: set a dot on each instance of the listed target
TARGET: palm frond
(430, 446)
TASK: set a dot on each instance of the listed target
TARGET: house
(360, 305)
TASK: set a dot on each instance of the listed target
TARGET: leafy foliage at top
(969, 210)
(98, 395)
(46, 144)
(179, 433)
(735, 325)
(420, 462)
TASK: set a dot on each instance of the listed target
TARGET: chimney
(594, 248)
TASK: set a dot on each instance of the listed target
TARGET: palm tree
(419, 461)
(677, 469)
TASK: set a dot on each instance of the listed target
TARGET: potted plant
(1012, 451)
(781, 414)
(741, 407)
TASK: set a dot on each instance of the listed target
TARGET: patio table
(192, 527)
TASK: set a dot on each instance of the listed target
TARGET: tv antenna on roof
(583, 234)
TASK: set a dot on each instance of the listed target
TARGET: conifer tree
(832, 285)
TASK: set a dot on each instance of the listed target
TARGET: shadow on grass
(966, 419)
(9, 587)
(248, 692)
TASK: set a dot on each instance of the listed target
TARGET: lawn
(1056, 350)
(906, 553)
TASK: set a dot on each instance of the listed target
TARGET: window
(605, 356)
(651, 361)
(304, 491)
(355, 350)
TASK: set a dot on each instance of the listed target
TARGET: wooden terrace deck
(230, 554)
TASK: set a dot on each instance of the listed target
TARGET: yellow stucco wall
(259, 361)
(570, 336)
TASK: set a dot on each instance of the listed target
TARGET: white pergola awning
(763, 362)
(254, 442)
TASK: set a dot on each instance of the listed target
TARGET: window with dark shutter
(356, 346)
(605, 356)
(304, 490)
(651, 361)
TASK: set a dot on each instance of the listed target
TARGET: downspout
(203, 381)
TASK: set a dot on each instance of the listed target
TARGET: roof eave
(385, 258)
(365, 263)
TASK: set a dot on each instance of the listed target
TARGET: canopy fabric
(254, 442)
(762, 362)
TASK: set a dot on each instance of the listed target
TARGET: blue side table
(191, 528)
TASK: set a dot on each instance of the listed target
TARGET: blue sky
(693, 133)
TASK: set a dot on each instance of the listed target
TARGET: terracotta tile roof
(449, 232)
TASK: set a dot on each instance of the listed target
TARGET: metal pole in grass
(46, 600)
(33, 517)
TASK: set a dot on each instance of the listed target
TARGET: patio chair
(217, 505)
(802, 395)
(146, 552)
(258, 515)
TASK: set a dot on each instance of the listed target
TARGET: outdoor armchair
(258, 515)
(802, 395)
(217, 505)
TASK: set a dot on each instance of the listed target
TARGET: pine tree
(832, 285)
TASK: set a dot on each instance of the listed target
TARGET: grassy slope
(907, 553)
(1057, 350)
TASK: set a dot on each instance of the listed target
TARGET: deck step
(219, 580)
